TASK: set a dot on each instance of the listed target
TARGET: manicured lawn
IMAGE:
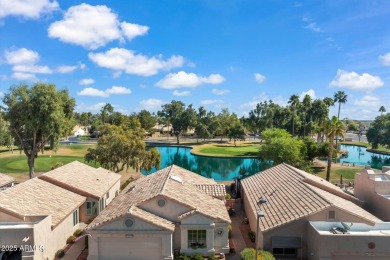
(337, 170)
(242, 149)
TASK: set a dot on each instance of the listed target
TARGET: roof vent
(98, 179)
(177, 179)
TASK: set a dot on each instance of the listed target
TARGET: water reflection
(360, 156)
(211, 167)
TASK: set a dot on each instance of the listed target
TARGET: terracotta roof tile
(83, 179)
(5, 179)
(36, 197)
(215, 190)
(290, 196)
(172, 182)
(151, 218)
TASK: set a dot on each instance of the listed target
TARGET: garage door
(129, 248)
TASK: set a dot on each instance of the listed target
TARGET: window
(117, 193)
(91, 208)
(161, 202)
(101, 206)
(284, 251)
(197, 239)
(332, 214)
(108, 195)
(75, 217)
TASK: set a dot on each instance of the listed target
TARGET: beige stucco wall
(346, 247)
(367, 190)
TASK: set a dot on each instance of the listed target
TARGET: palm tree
(382, 109)
(294, 102)
(332, 127)
(341, 98)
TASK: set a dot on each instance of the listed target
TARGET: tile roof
(172, 182)
(82, 179)
(5, 179)
(215, 190)
(293, 194)
(36, 197)
(151, 218)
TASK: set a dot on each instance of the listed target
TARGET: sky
(139, 54)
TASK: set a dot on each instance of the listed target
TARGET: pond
(218, 168)
(360, 156)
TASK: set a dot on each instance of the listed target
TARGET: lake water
(360, 156)
(218, 168)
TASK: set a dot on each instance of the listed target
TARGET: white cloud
(32, 9)
(120, 59)
(93, 27)
(187, 80)
(369, 101)
(118, 90)
(211, 101)
(93, 92)
(259, 78)
(352, 80)
(64, 69)
(32, 69)
(131, 30)
(385, 59)
(81, 107)
(21, 56)
(313, 26)
(24, 76)
(220, 92)
(181, 93)
(1, 94)
(252, 104)
(114, 90)
(88, 81)
(310, 92)
(151, 104)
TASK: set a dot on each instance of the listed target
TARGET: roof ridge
(166, 179)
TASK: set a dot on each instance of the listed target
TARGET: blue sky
(212, 53)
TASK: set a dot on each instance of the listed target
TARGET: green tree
(294, 104)
(379, 131)
(281, 147)
(341, 98)
(236, 132)
(6, 139)
(180, 117)
(147, 120)
(118, 149)
(333, 128)
(382, 109)
(106, 112)
(38, 115)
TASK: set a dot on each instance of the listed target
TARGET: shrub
(197, 257)
(77, 232)
(230, 229)
(182, 256)
(228, 196)
(252, 236)
(248, 254)
(126, 182)
(213, 258)
(60, 253)
(70, 239)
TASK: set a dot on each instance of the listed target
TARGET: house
(98, 186)
(79, 130)
(374, 190)
(171, 210)
(6, 181)
(289, 199)
(38, 215)
(348, 241)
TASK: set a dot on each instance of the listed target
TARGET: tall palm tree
(294, 102)
(341, 98)
(382, 109)
(332, 127)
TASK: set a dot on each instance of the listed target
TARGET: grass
(15, 164)
(228, 149)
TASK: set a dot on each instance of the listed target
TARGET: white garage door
(129, 248)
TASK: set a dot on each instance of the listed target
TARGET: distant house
(374, 189)
(295, 198)
(171, 210)
(79, 131)
(41, 213)
(6, 181)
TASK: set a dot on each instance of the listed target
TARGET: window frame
(76, 217)
(197, 238)
(89, 210)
